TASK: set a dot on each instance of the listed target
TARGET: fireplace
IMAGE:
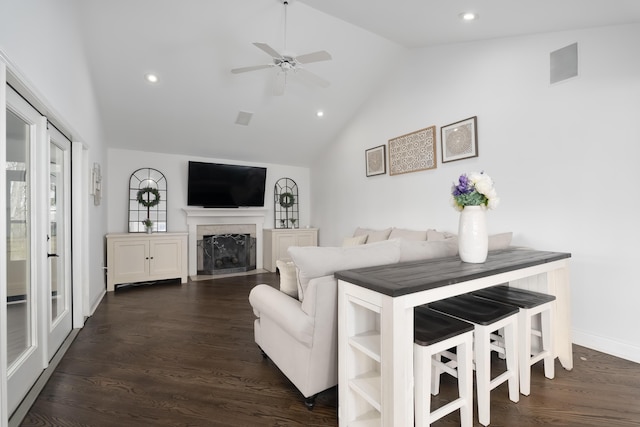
(204, 221)
(226, 253)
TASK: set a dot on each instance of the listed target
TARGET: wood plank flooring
(183, 355)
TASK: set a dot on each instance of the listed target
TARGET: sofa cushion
(374, 235)
(313, 261)
(288, 278)
(403, 233)
(414, 250)
(355, 241)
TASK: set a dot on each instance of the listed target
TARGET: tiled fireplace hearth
(204, 221)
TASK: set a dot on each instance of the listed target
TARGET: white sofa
(300, 334)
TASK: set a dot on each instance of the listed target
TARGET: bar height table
(375, 323)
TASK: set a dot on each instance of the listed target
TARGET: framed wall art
(413, 152)
(459, 140)
(376, 160)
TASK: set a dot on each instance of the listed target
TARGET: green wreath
(287, 200)
(150, 202)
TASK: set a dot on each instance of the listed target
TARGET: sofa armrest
(283, 310)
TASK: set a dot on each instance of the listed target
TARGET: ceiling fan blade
(312, 78)
(321, 55)
(268, 50)
(252, 68)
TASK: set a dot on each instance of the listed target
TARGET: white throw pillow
(402, 233)
(435, 235)
(312, 261)
(355, 241)
(374, 235)
(414, 250)
(288, 278)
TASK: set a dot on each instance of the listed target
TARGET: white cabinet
(137, 257)
(278, 240)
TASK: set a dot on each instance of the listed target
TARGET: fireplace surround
(228, 217)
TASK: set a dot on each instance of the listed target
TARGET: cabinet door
(307, 238)
(283, 241)
(130, 261)
(166, 258)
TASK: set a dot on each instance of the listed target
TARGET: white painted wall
(43, 43)
(563, 157)
(122, 163)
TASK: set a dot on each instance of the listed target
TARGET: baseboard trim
(607, 345)
(18, 415)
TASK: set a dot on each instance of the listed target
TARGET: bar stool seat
(529, 304)
(487, 317)
(434, 334)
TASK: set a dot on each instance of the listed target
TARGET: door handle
(52, 255)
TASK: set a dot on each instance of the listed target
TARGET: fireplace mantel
(208, 216)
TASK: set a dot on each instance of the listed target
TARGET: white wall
(122, 163)
(563, 157)
(42, 41)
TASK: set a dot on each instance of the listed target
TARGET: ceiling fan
(288, 64)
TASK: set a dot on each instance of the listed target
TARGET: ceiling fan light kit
(288, 63)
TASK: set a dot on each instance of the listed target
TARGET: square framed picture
(459, 140)
(413, 152)
(376, 160)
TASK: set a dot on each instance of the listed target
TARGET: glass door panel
(18, 254)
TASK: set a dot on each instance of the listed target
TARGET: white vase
(473, 241)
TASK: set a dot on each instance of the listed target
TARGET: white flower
(493, 202)
(455, 204)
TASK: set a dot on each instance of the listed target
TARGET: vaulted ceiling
(192, 45)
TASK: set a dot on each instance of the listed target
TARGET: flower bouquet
(474, 189)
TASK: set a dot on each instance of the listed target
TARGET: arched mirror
(147, 201)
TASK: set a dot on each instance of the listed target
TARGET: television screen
(214, 185)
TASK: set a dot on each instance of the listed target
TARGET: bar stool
(435, 333)
(529, 304)
(487, 317)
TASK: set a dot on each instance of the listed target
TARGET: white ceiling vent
(244, 117)
(564, 63)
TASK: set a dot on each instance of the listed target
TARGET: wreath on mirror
(287, 200)
(148, 202)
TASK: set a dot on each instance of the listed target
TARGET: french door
(38, 306)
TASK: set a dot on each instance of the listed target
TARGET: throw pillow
(374, 235)
(435, 235)
(414, 250)
(313, 261)
(288, 278)
(355, 241)
(401, 233)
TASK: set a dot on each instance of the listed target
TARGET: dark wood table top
(415, 276)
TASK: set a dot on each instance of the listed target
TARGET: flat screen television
(214, 185)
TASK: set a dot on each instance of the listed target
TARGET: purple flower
(463, 186)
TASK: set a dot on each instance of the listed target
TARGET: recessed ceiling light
(469, 16)
(320, 113)
(151, 78)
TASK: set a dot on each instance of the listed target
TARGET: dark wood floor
(184, 355)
